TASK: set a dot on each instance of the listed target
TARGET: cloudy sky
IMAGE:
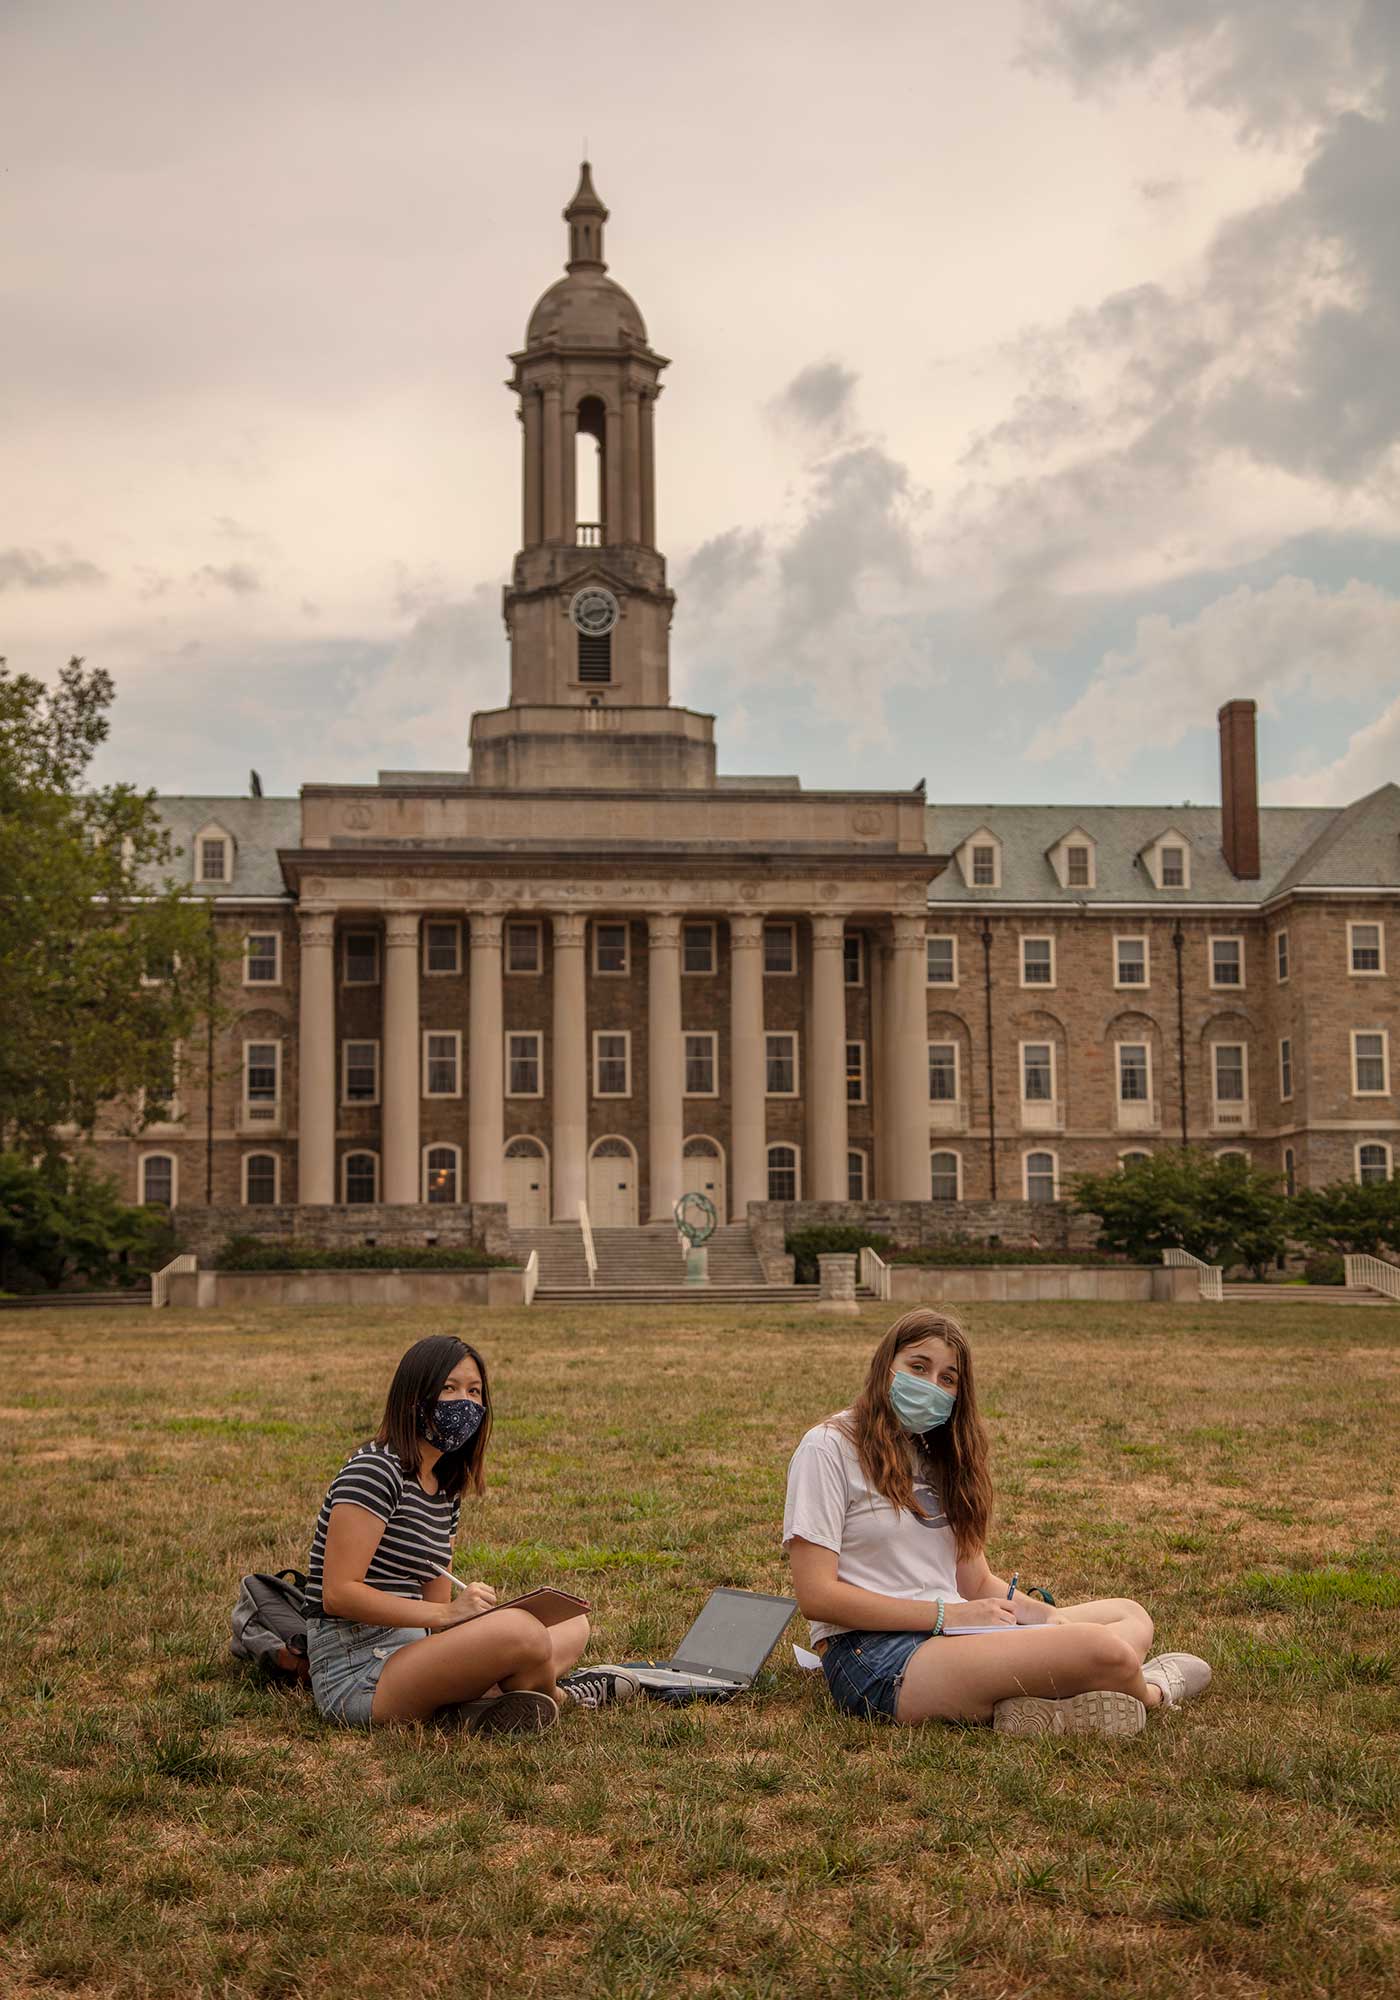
(1036, 377)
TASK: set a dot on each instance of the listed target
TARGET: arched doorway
(527, 1184)
(612, 1185)
(702, 1172)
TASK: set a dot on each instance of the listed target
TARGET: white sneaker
(1180, 1676)
(1100, 1712)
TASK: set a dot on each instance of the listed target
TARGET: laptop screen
(734, 1634)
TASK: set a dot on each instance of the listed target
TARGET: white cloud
(1371, 758)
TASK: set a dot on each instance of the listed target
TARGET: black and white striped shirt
(419, 1527)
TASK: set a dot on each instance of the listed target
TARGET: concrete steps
(677, 1295)
(1309, 1295)
(642, 1264)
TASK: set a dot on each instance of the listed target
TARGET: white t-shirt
(831, 1502)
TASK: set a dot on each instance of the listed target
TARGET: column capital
(485, 928)
(910, 932)
(664, 930)
(401, 929)
(745, 932)
(570, 928)
(317, 929)
(828, 932)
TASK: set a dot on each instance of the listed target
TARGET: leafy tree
(1223, 1211)
(62, 1219)
(84, 914)
(1345, 1218)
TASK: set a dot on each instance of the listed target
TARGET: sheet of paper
(810, 1663)
(967, 1631)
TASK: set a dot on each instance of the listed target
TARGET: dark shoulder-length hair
(416, 1386)
(956, 1454)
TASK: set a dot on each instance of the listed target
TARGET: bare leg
(509, 1649)
(566, 1643)
(1119, 1614)
(962, 1680)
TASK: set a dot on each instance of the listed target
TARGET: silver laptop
(725, 1648)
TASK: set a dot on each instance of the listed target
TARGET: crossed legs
(1098, 1645)
(501, 1650)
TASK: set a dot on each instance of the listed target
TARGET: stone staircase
(1303, 1295)
(644, 1266)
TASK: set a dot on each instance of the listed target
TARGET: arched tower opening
(591, 474)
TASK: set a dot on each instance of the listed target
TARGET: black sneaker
(596, 1687)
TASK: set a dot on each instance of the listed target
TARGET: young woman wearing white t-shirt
(888, 1505)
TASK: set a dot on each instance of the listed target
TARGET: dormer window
(1167, 860)
(1173, 867)
(213, 855)
(1077, 867)
(979, 858)
(1072, 858)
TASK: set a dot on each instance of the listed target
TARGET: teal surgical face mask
(920, 1405)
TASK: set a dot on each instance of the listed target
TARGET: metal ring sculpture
(695, 1218)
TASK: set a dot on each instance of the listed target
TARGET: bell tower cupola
(587, 609)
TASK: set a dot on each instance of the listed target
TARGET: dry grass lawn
(171, 1826)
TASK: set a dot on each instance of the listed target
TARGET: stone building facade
(594, 968)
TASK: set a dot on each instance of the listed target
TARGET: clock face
(594, 611)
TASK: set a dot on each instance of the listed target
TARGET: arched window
(1126, 1160)
(782, 1173)
(855, 1175)
(158, 1180)
(260, 1175)
(945, 1176)
(524, 1149)
(361, 1172)
(1041, 1176)
(590, 474)
(440, 1173)
(1372, 1164)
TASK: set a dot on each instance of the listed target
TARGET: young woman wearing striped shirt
(383, 1540)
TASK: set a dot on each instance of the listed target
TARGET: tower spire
(585, 216)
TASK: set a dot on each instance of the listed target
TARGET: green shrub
(830, 1239)
(1325, 1269)
(251, 1253)
(1224, 1211)
(62, 1223)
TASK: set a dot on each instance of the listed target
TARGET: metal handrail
(590, 1255)
(874, 1273)
(532, 1276)
(160, 1280)
(1210, 1277)
(1374, 1274)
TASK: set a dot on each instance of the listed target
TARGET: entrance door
(703, 1173)
(527, 1184)
(612, 1185)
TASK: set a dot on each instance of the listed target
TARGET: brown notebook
(551, 1607)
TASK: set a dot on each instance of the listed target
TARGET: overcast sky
(1035, 385)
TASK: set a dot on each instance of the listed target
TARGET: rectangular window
(523, 1065)
(1134, 1073)
(260, 1180)
(360, 1072)
(697, 948)
(442, 1064)
(361, 958)
(1281, 955)
(1373, 1164)
(1285, 1069)
(158, 1180)
(1229, 1072)
(1173, 865)
(1227, 961)
(1037, 1073)
(262, 1079)
(1077, 867)
(943, 1072)
(984, 867)
(361, 1178)
(1370, 1062)
(612, 1064)
(1290, 1172)
(1037, 961)
(853, 957)
(855, 1176)
(213, 861)
(855, 1072)
(942, 961)
(1366, 947)
(442, 947)
(779, 948)
(1040, 1177)
(700, 1065)
(781, 1065)
(610, 948)
(262, 958)
(1130, 961)
(945, 1174)
(524, 947)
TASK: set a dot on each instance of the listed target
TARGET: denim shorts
(346, 1662)
(865, 1670)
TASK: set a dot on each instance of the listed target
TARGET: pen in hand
(1011, 1587)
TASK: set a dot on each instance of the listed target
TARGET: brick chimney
(1239, 790)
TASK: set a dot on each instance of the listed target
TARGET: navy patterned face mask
(450, 1424)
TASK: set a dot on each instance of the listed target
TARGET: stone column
(905, 1104)
(530, 417)
(631, 526)
(824, 1078)
(570, 1067)
(316, 1059)
(665, 1063)
(748, 1068)
(614, 506)
(401, 1088)
(553, 462)
(486, 1129)
(568, 483)
(649, 470)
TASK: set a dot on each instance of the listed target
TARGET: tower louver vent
(595, 657)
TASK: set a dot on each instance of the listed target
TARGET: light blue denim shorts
(865, 1670)
(346, 1662)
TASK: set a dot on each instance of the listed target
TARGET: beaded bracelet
(942, 1607)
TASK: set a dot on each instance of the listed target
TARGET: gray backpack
(269, 1623)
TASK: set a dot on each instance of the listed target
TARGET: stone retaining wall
(923, 1225)
(403, 1226)
(270, 1289)
(1037, 1284)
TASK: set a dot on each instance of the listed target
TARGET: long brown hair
(417, 1380)
(955, 1455)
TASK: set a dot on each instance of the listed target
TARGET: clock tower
(587, 608)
